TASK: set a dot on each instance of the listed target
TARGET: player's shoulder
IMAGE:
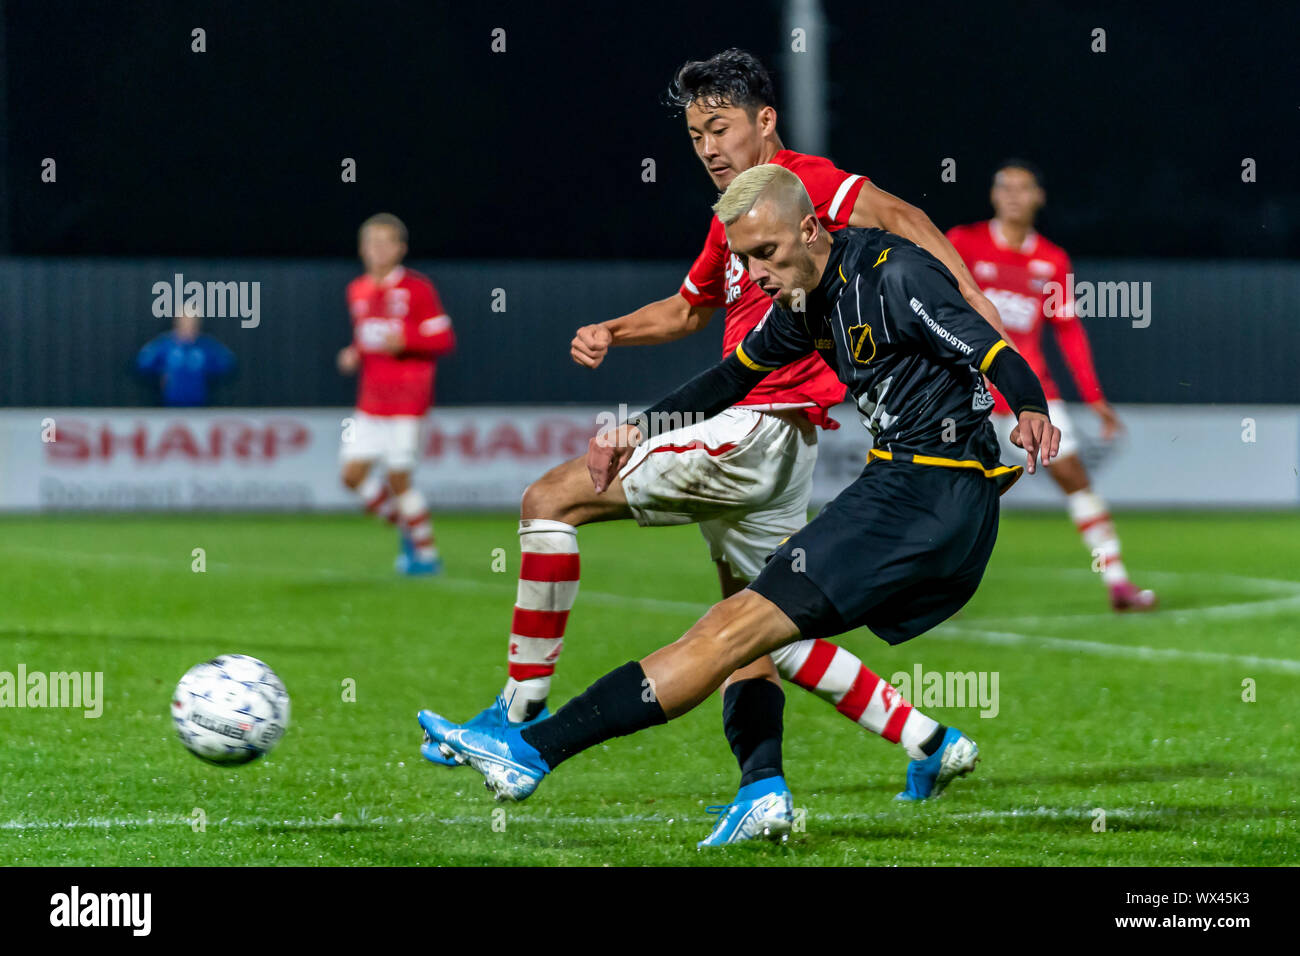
(967, 232)
(814, 171)
(359, 286)
(1046, 249)
(413, 277)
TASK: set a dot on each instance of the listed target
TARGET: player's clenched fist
(609, 451)
(348, 360)
(1036, 434)
(590, 344)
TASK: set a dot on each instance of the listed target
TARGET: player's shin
(377, 497)
(841, 679)
(548, 586)
(752, 719)
(413, 511)
(1091, 517)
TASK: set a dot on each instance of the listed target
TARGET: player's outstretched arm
(875, 207)
(663, 321)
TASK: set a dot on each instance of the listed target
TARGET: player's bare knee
(552, 496)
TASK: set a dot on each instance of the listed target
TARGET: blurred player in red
(399, 329)
(1014, 266)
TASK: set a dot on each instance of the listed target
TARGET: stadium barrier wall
(1217, 331)
(78, 459)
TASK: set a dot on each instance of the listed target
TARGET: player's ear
(766, 119)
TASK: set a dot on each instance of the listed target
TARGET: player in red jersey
(399, 329)
(744, 476)
(1018, 270)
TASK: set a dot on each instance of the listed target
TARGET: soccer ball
(231, 709)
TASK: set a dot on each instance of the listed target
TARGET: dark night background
(536, 153)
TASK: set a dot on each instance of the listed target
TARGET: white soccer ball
(231, 709)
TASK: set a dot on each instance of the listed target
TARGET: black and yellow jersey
(888, 318)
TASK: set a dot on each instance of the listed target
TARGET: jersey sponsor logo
(881, 257)
(938, 329)
(821, 344)
(735, 273)
(1042, 267)
(372, 332)
(862, 344)
(1019, 311)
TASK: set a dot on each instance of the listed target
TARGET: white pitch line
(970, 628)
(1138, 652)
(485, 818)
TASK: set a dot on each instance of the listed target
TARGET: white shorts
(744, 476)
(389, 439)
(1060, 417)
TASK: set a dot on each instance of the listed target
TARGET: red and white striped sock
(840, 678)
(378, 498)
(416, 523)
(1090, 515)
(548, 586)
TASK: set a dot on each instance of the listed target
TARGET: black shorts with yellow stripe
(900, 550)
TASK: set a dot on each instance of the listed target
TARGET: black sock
(933, 741)
(751, 719)
(620, 703)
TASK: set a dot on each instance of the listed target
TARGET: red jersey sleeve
(705, 283)
(832, 191)
(1072, 340)
(427, 327)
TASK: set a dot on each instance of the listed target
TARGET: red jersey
(718, 279)
(406, 302)
(1029, 285)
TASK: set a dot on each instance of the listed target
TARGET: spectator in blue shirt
(185, 361)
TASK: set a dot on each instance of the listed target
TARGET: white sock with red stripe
(840, 678)
(1090, 515)
(416, 523)
(548, 586)
(378, 498)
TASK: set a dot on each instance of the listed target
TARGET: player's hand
(394, 341)
(609, 451)
(1110, 423)
(1036, 434)
(348, 360)
(590, 344)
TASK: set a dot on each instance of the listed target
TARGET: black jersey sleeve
(779, 339)
(922, 305)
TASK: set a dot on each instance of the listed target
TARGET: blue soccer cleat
(956, 757)
(443, 755)
(407, 563)
(511, 768)
(761, 810)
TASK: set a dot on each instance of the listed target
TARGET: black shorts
(899, 550)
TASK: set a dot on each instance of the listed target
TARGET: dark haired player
(745, 475)
(1015, 267)
(900, 550)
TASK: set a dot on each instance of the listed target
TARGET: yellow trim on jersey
(842, 278)
(882, 257)
(988, 356)
(997, 472)
(750, 363)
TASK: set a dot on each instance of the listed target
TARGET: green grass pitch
(1141, 717)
